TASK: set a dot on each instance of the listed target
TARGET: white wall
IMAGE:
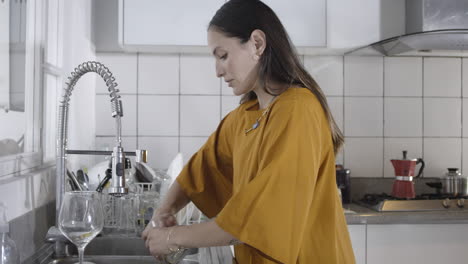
(383, 106)
(78, 48)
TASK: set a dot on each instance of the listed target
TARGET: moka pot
(403, 187)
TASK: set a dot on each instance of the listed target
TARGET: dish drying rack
(129, 214)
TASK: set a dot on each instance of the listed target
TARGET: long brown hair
(279, 62)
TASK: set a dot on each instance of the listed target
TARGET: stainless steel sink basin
(110, 246)
(117, 260)
(116, 250)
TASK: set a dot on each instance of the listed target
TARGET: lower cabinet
(410, 244)
(358, 239)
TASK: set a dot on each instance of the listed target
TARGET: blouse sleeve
(207, 177)
(270, 212)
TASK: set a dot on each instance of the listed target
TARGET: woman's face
(235, 62)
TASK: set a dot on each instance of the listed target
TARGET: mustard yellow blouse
(273, 188)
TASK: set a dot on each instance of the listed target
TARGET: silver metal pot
(454, 183)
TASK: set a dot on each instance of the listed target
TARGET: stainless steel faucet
(118, 155)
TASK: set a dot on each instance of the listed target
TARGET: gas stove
(424, 202)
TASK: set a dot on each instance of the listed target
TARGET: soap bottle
(8, 251)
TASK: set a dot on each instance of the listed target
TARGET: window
(52, 75)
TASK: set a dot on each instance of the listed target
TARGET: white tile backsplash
(158, 74)
(403, 117)
(465, 117)
(158, 115)
(442, 117)
(363, 116)
(465, 76)
(229, 103)
(383, 105)
(199, 115)
(336, 106)
(442, 77)
(161, 150)
(363, 76)
(123, 67)
(464, 168)
(105, 123)
(364, 156)
(198, 75)
(403, 76)
(327, 72)
(190, 145)
(440, 154)
(393, 149)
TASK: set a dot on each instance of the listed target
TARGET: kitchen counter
(363, 215)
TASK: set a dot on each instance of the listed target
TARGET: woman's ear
(258, 39)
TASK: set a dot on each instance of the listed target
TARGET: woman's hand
(156, 241)
(159, 219)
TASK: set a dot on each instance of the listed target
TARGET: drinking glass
(81, 218)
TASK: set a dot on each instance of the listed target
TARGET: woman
(267, 174)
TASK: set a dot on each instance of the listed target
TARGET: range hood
(433, 28)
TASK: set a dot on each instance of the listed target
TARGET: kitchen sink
(115, 250)
(110, 245)
(117, 260)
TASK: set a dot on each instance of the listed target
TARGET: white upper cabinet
(305, 20)
(166, 23)
(314, 25)
(184, 23)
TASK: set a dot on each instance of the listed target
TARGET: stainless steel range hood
(433, 27)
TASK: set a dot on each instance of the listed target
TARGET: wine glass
(81, 218)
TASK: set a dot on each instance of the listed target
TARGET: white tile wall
(161, 150)
(199, 115)
(364, 156)
(464, 155)
(198, 75)
(363, 76)
(363, 116)
(440, 154)
(465, 76)
(158, 74)
(403, 76)
(383, 105)
(442, 77)
(465, 117)
(403, 117)
(336, 106)
(190, 145)
(229, 103)
(442, 117)
(327, 72)
(158, 115)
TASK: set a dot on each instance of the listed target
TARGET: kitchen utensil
(80, 176)
(403, 187)
(343, 182)
(104, 181)
(453, 183)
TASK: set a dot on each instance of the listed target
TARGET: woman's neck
(264, 98)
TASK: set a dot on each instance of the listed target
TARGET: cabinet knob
(446, 203)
